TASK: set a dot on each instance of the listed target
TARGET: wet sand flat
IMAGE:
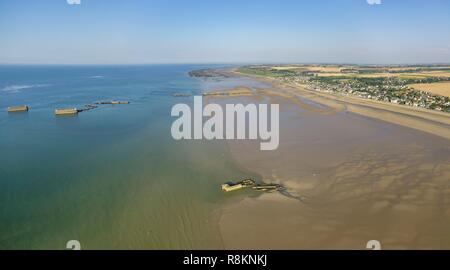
(359, 179)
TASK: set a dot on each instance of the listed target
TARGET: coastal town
(388, 84)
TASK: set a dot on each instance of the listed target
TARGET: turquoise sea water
(112, 177)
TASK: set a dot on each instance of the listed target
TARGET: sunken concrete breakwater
(22, 108)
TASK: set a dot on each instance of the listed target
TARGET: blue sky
(224, 31)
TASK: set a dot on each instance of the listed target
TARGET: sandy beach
(364, 170)
(433, 122)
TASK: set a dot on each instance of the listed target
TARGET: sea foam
(15, 88)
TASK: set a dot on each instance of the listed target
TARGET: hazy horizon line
(227, 63)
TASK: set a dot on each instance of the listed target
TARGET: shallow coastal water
(112, 177)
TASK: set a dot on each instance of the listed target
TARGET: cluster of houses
(391, 90)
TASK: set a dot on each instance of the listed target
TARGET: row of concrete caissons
(67, 111)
